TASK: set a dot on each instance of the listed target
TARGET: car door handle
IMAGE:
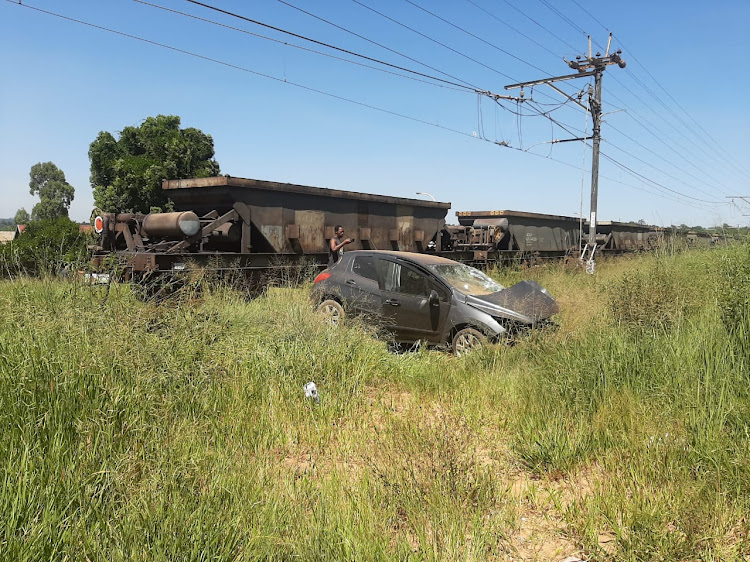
(392, 302)
(351, 282)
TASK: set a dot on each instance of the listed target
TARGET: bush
(45, 247)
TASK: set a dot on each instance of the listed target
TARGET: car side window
(442, 292)
(397, 278)
(413, 282)
(364, 266)
(390, 275)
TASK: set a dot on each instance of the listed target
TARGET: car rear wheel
(332, 311)
(467, 340)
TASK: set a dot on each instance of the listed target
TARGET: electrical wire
(506, 24)
(563, 17)
(430, 39)
(722, 154)
(633, 172)
(441, 84)
(347, 51)
(469, 33)
(241, 68)
(660, 157)
(575, 49)
(649, 126)
(649, 180)
(610, 143)
(342, 98)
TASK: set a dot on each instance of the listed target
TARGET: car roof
(421, 259)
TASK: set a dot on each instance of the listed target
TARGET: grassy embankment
(179, 431)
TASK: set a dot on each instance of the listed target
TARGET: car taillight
(322, 277)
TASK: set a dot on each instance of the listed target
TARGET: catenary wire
(474, 60)
(575, 49)
(430, 39)
(633, 172)
(613, 145)
(651, 127)
(521, 33)
(280, 30)
(562, 16)
(241, 68)
(660, 157)
(713, 140)
(500, 49)
(441, 83)
(722, 154)
(322, 92)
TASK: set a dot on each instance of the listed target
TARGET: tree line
(126, 172)
(126, 176)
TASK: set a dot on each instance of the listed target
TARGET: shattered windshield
(468, 280)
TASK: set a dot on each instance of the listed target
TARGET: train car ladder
(590, 263)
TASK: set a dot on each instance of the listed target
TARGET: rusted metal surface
(467, 218)
(162, 225)
(239, 217)
(518, 231)
(310, 213)
(628, 237)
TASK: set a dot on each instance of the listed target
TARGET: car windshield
(468, 280)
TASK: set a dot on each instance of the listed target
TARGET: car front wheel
(332, 311)
(467, 340)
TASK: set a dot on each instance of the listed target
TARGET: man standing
(336, 245)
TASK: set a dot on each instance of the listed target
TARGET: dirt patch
(541, 537)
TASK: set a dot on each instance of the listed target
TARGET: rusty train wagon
(254, 225)
(622, 237)
(522, 233)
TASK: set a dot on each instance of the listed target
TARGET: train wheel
(467, 340)
(332, 311)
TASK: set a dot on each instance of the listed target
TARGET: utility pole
(587, 66)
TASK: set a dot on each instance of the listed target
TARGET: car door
(406, 304)
(360, 288)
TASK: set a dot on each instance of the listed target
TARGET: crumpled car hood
(526, 301)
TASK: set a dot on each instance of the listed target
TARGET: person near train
(336, 245)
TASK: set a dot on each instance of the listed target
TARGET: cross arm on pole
(548, 80)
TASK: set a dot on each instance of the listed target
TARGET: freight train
(254, 226)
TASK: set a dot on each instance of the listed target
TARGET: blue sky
(677, 117)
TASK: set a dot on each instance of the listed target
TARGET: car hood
(526, 301)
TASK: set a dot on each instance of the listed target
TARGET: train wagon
(523, 233)
(256, 225)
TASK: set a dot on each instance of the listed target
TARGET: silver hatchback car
(427, 298)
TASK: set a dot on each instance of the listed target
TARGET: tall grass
(179, 430)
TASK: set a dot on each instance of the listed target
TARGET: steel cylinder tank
(170, 225)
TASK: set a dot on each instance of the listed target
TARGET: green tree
(126, 174)
(22, 216)
(55, 193)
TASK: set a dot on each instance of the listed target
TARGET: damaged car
(430, 299)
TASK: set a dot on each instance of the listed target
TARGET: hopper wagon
(255, 225)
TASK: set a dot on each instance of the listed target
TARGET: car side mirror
(434, 298)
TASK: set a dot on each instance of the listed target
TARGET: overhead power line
(682, 152)
(241, 68)
(469, 33)
(521, 33)
(713, 145)
(362, 4)
(463, 84)
(427, 80)
(302, 86)
(552, 33)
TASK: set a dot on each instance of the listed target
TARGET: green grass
(180, 431)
